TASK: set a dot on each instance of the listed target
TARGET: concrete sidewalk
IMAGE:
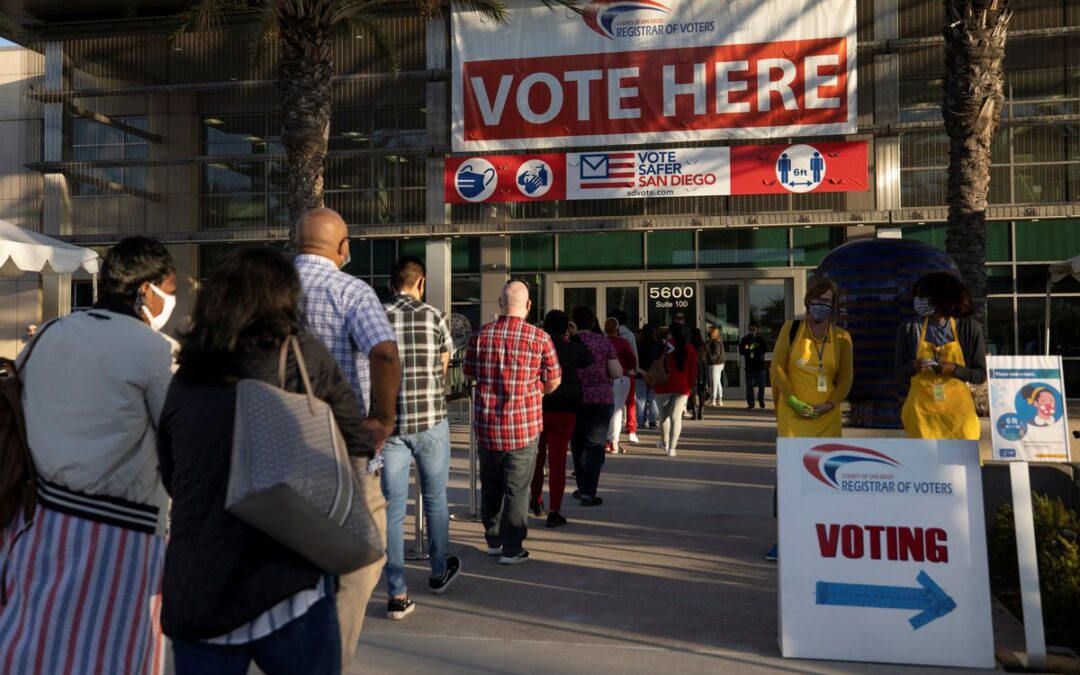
(667, 576)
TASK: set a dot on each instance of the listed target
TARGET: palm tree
(305, 32)
(974, 95)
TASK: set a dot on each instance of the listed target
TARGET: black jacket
(755, 358)
(573, 355)
(220, 572)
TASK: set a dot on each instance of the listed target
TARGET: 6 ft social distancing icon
(800, 168)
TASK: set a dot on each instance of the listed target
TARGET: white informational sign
(1027, 408)
(636, 72)
(883, 552)
(698, 172)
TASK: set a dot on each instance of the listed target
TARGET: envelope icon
(594, 166)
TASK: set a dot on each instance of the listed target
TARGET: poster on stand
(883, 552)
(1028, 420)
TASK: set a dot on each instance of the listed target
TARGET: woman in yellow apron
(939, 353)
(812, 368)
(811, 372)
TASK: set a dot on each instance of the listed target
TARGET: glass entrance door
(604, 298)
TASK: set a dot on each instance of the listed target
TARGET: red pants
(631, 408)
(554, 440)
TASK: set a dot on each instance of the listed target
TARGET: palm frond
(265, 35)
(385, 47)
(490, 9)
(131, 7)
(572, 5)
(207, 15)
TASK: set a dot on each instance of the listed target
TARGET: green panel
(997, 241)
(744, 247)
(416, 247)
(600, 251)
(383, 252)
(670, 249)
(532, 253)
(465, 255)
(811, 244)
(931, 233)
(1047, 240)
(360, 251)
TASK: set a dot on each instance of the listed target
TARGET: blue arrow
(806, 183)
(930, 599)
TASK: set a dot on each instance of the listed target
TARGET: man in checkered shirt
(514, 365)
(422, 433)
(347, 316)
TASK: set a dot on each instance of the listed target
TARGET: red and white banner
(672, 172)
(628, 72)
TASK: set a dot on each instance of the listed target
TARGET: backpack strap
(793, 331)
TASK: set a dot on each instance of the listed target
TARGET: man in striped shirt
(514, 365)
(422, 432)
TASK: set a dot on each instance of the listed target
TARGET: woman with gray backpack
(233, 593)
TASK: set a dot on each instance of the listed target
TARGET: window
(670, 249)
(744, 247)
(601, 251)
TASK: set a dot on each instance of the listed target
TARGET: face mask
(158, 322)
(348, 259)
(819, 311)
(923, 307)
(1047, 409)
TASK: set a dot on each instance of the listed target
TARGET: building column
(439, 267)
(437, 252)
(56, 198)
(887, 107)
(494, 264)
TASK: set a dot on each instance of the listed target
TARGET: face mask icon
(471, 184)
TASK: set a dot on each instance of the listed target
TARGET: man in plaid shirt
(422, 432)
(514, 365)
(346, 315)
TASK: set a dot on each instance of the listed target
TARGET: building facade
(123, 131)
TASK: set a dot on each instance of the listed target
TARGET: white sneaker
(670, 453)
(633, 438)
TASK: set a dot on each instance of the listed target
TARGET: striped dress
(82, 597)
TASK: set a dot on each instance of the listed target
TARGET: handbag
(291, 477)
(658, 372)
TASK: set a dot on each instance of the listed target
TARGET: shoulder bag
(290, 475)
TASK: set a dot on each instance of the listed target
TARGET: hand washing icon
(475, 180)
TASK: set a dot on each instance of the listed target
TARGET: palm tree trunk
(974, 93)
(306, 68)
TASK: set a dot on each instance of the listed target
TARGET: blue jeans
(755, 379)
(431, 449)
(309, 645)
(646, 404)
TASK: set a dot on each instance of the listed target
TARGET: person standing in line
(231, 594)
(671, 397)
(811, 371)
(345, 313)
(421, 433)
(715, 353)
(514, 364)
(620, 386)
(594, 415)
(753, 349)
(700, 388)
(560, 415)
(939, 353)
(82, 578)
(647, 413)
(626, 333)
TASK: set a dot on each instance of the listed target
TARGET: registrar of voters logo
(843, 468)
(600, 16)
(800, 168)
(475, 179)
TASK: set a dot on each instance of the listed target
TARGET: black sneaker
(555, 519)
(538, 509)
(762, 403)
(521, 557)
(750, 407)
(577, 494)
(438, 585)
(397, 609)
(592, 501)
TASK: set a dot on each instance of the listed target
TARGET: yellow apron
(804, 359)
(940, 407)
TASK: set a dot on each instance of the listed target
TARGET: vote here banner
(627, 72)
(659, 173)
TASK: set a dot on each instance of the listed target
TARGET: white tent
(24, 251)
(1057, 272)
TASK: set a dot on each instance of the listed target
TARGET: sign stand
(1027, 557)
(472, 515)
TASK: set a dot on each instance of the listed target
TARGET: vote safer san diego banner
(671, 172)
(636, 72)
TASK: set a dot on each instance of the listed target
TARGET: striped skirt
(83, 597)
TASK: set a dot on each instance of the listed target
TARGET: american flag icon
(607, 170)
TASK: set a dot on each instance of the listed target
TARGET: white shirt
(93, 391)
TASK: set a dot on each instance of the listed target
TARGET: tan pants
(355, 588)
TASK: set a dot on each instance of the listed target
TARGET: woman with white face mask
(938, 353)
(83, 566)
